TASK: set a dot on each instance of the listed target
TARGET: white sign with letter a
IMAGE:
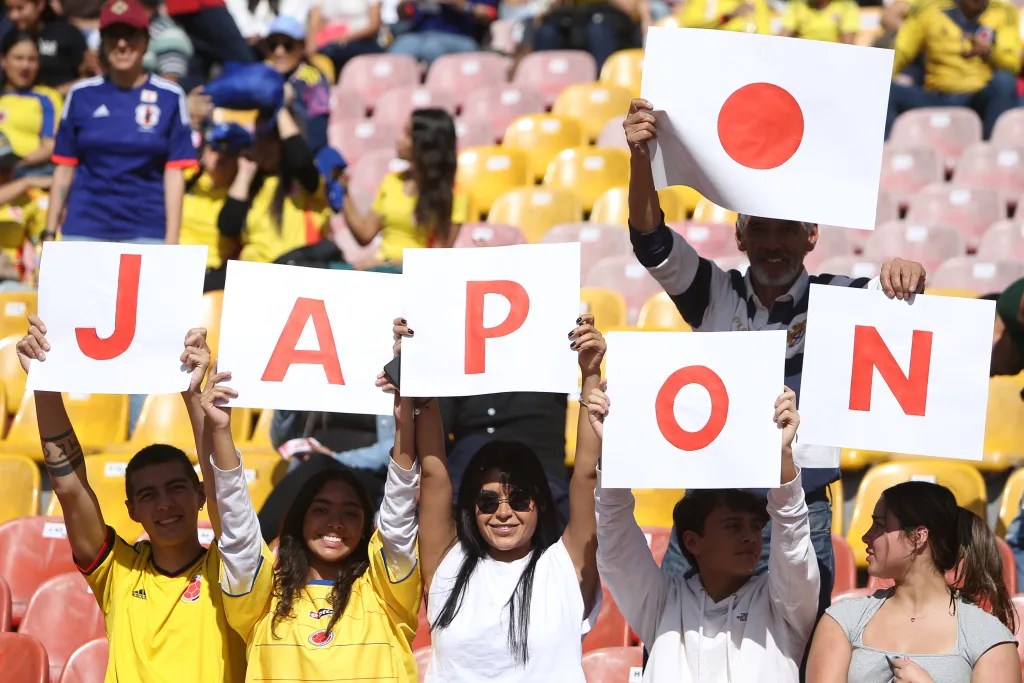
(490, 320)
(693, 410)
(116, 316)
(298, 338)
(885, 375)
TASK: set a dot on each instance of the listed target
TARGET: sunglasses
(287, 43)
(488, 502)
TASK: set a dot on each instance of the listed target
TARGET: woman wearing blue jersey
(123, 142)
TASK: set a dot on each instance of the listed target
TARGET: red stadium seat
(968, 209)
(846, 567)
(551, 70)
(950, 130)
(370, 76)
(1003, 240)
(626, 276)
(472, 133)
(23, 659)
(396, 105)
(853, 266)
(658, 539)
(711, 240)
(347, 105)
(612, 135)
(357, 138)
(1001, 168)
(1009, 566)
(612, 664)
(87, 664)
(906, 171)
(929, 245)
(5, 606)
(461, 74)
(32, 549)
(977, 275)
(499, 105)
(597, 241)
(832, 242)
(611, 629)
(489, 235)
(422, 657)
(1009, 129)
(63, 615)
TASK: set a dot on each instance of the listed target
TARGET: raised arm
(644, 205)
(196, 359)
(63, 457)
(580, 537)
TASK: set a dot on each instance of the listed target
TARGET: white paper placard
(96, 350)
(934, 353)
(338, 321)
(646, 427)
(495, 346)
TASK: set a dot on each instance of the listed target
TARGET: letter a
(125, 314)
(285, 354)
(476, 334)
(869, 352)
(664, 408)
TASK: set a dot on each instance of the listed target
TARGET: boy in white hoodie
(721, 623)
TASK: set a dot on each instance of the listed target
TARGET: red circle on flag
(761, 126)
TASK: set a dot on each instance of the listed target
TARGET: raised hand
(215, 395)
(196, 358)
(786, 416)
(33, 346)
(400, 330)
(589, 345)
(640, 125)
(598, 404)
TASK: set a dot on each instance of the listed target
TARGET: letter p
(476, 334)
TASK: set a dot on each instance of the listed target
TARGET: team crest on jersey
(321, 638)
(148, 97)
(147, 116)
(195, 587)
(321, 613)
(797, 329)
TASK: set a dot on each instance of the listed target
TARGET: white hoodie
(756, 635)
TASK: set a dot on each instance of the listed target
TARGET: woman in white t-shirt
(343, 29)
(507, 590)
(254, 17)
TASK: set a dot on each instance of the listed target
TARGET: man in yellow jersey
(160, 598)
(751, 16)
(972, 53)
(832, 21)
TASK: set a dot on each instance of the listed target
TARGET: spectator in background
(833, 21)
(748, 16)
(214, 35)
(254, 17)
(170, 50)
(597, 26)
(343, 29)
(441, 27)
(28, 112)
(284, 47)
(23, 204)
(972, 54)
(61, 45)
(1008, 334)
(419, 207)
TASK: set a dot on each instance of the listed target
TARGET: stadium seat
(832, 242)
(106, 477)
(572, 417)
(588, 172)
(846, 567)
(1000, 168)
(1018, 606)
(422, 657)
(15, 307)
(686, 197)
(536, 209)
(854, 266)
(12, 377)
(163, 419)
(23, 659)
(1004, 424)
(592, 104)
(626, 276)
(836, 499)
(356, 138)
(1009, 129)
(707, 211)
(550, 71)
(608, 306)
(370, 76)
(971, 210)
(855, 459)
(461, 74)
(1010, 501)
(542, 137)
(711, 240)
(262, 472)
(624, 69)
(612, 135)
(505, 35)
(611, 629)
(654, 506)
(961, 477)
(87, 664)
(1003, 240)
(32, 549)
(366, 174)
(613, 664)
(324, 64)
(486, 173)
(612, 207)
(977, 275)
(488, 235)
(346, 105)
(955, 293)
(5, 606)
(209, 317)
(597, 241)
(950, 130)
(885, 210)
(63, 615)
(22, 485)
(394, 107)
(659, 314)
(907, 171)
(499, 105)
(99, 419)
(472, 133)
(1009, 566)
(261, 432)
(658, 539)
(929, 245)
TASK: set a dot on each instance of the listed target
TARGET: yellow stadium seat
(707, 211)
(1004, 426)
(588, 171)
(961, 477)
(612, 207)
(659, 313)
(572, 416)
(98, 419)
(624, 69)
(958, 293)
(1009, 501)
(486, 173)
(853, 460)
(15, 307)
(12, 377)
(263, 470)
(536, 209)
(106, 477)
(542, 137)
(592, 104)
(835, 492)
(163, 419)
(209, 317)
(654, 506)
(261, 434)
(680, 199)
(326, 66)
(21, 487)
(607, 305)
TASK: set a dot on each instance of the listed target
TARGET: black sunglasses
(287, 43)
(488, 502)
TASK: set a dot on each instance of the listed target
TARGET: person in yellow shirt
(341, 603)
(28, 111)
(23, 205)
(832, 21)
(164, 614)
(750, 16)
(972, 54)
(419, 207)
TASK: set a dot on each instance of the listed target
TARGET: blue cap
(229, 138)
(284, 25)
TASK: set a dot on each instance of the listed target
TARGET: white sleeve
(793, 578)
(240, 542)
(398, 522)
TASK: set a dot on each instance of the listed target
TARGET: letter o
(664, 408)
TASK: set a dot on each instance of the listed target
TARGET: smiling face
(124, 47)
(775, 248)
(731, 543)
(333, 525)
(284, 53)
(165, 501)
(890, 552)
(21, 64)
(506, 530)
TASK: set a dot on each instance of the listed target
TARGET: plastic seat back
(32, 549)
(87, 664)
(607, 306)
(372, 75)
(832, 242)
(908, 170)
(627, 277)
(707, 211)
(15, 307)
(395, 106)
(612, 135)
(659, 313)
(1010, 501)
(846, 567)
(929, 245)
(22, 484)
(1004, 437)
(535, 210)
(613, 207)
(612, 664)
(597, 241)
(472, 133)
(654, 506)
(346, 105)
(985, 165)
(543, 137)
(950, 130)
(461, 74)
(710, 240)
(624, 69)
(981, 276)
(1003, 240)
(588, 171)
(489, 235)
(486, 173)
(499, 105)
(63, 615)
(971, 210)
(550, 71)
(102, 419)
(422, 657)
(610, 629)
(12, 377)
(209, 317)
(592, 104)
(356, 138)
(658, 539)
(1009, 129)
(23, 659)
(5, 606)
(854, 266)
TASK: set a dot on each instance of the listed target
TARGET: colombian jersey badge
(195, 587)
(321, 638)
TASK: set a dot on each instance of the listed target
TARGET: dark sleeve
(232, 217)
(298, 159)
(316, 132)
(651, 248)
(72, 47)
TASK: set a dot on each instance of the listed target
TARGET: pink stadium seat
(499, 105)
(346, 105)
(87, 664)
(472, 133)
(461, 74)
(612, 135)
(597, 241)
(357, 138)
(968, 209)
(975, 274)
(489, 235)
(929, 245)
(5, 606)
(906, 171)
(611, 629)
(1009, 129)
(63, 615)
(612, 664)
(658, 538)
(32, 549)
(846, 568)
(886, 209)
(854, 266)
(394, 107)
(422, 657)
(370, 76)
(505, 36)
(1001, 168)
(627, 277)
(738, 262)
(551, 70)
(711, 240)
(366, 174)
(351, 250)
(950, 130)
(832, 242)
(23, 659)
(1004, 239)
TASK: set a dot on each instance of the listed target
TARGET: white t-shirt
(355, 14)
(474, 646)
(254, 24)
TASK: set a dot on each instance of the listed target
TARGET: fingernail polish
(570, 335)
(579, 320)
(411, 333)
(572, 346)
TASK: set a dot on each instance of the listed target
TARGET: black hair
(157, 454)
(518, 468)
(692, 511)
(434, 162)
(15, 36)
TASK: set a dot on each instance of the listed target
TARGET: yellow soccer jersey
(163, 629)
(396, 210)
(28, 116)
(827, 23)
(304, 221)
(199, 212)
(713, 14)
(22, 219)
(372, 641)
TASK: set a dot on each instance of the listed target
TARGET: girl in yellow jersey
(342, 601)
(28, 111)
